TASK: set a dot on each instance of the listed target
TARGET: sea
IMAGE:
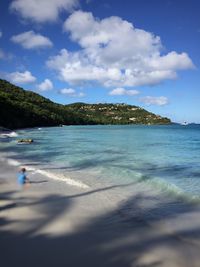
(165, 157)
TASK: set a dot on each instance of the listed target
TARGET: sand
(54, 223)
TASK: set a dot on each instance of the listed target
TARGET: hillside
(20, 109)
(116, 114)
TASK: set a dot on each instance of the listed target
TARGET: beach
(54, 223)
(99, 133)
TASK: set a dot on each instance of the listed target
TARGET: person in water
(22, 177)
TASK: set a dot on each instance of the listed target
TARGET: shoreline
(173, 187)
(74, 226)
(77, 178)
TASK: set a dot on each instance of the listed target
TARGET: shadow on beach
(127, 236)
(38, 182)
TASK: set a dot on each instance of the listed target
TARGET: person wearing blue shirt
(22, 178)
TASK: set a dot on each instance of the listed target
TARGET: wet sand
(52, 223)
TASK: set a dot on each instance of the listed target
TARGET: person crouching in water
(22, 178)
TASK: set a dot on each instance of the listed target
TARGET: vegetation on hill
(116, 114)
(20, 108)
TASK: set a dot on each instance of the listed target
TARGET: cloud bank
(158, 101)
(115, 54)
(21, 77)
(31, 40)
(71, 92)
(122, 91)
(46, 85)
(42, 10)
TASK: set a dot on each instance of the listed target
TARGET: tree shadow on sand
(119, 238)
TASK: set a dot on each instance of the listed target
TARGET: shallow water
(166, 157)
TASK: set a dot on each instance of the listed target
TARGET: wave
(51, 175)
(10, 134)
(168, 188)
(62, 177)
(13, 162)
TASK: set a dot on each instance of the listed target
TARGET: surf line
(63, 178)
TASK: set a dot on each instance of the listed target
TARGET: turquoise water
(165, 156)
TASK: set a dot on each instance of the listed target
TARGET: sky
(139, 52)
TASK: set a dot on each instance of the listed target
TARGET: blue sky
(139, 52)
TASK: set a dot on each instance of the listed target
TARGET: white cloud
(151, 100)
(21, 77)
(31, 40)
(172, 61)
(67, 91)
(42, 10)
(1, 34)
(114, 53)
(75, 68)
(46, 85)
(71, 92)
(122, 91)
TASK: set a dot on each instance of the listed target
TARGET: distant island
(20, 108)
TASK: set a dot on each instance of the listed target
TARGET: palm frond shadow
(120, 238)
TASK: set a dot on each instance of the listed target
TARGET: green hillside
(20, 109)
(116, 114)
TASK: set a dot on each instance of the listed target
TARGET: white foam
(61, 177)
(12, 134)
(51, 175)
(13, 162)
